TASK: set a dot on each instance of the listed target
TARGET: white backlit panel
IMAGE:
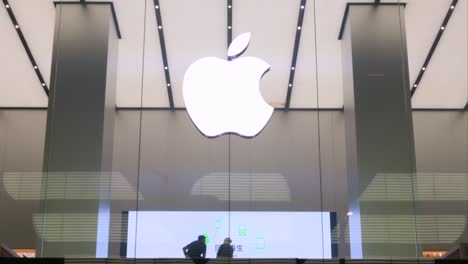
(273, 28)
(162, 234)
(192, 30)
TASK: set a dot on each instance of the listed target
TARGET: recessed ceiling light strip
(17, 27)
(160, 28)
(295, 52)
(229, 22)
(434, 46)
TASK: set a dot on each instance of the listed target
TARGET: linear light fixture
(229, 22)
(18, 30)
(433, 47)
(297, 40)
(159, 25)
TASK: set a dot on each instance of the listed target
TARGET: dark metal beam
(295, 52)
(114, 14)
(346, 12)
(434, 46)
(17, 27)
(377, 2)
(2, 108)
(229, 22)
(184, 109)
(466, 107)
(437, 109)
(159, 24)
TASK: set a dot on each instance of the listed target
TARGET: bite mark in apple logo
(223, 97)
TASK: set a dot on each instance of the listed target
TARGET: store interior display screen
(163, 234)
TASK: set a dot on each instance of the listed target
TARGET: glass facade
(333, 175)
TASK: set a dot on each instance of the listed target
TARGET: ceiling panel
(329, 14)
(196, 29)
(192, 30)
(154, 81)
(38, 19)
(444, 84)
(131, 17)
(273, 28)
(19, 83)
(423, 19)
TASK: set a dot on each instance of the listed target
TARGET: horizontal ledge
(23, 107)
(345, 16)
(276, 109)
(114, 15)
(440, 109)
(184, 109)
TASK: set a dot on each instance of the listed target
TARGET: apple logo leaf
(239, 45)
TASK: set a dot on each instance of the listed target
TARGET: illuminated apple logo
(224, 96)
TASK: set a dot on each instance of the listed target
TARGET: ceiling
(198, 28)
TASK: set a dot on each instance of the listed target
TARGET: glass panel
(275, 179)
(183, 176)
(356, 168)
(22, 135)
(441, 137)
(184, 187)
(275, 191)
(331, 118)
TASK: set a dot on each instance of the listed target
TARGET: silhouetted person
(196, 250)
(225, 250)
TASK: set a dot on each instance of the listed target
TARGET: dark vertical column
(80, 122)
(379, 131)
